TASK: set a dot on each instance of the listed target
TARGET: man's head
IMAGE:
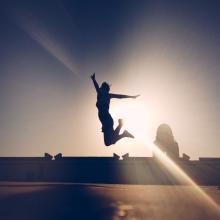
(105, 87)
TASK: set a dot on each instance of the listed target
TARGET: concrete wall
(130, 170)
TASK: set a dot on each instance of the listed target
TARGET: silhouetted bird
(111, 136)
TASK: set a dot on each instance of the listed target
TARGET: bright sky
(168, 53)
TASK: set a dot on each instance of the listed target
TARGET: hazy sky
(167, 51)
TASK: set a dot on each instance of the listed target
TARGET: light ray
(179, 173)
(39, 32)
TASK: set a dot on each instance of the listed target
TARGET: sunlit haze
(167, 53)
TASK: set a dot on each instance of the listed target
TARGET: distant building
(166, 142)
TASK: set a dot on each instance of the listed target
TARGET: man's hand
(135, 96)
(92, 76)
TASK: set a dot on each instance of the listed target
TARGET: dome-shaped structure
(164, 134)
(166, 142)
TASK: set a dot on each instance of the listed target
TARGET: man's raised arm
(119, 96)
(96, 85)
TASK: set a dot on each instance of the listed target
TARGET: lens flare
(38, 31)
(177, 172)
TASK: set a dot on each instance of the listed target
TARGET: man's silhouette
(111, 136)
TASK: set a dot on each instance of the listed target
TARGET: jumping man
(111, 136)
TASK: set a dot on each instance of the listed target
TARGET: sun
(134, 114)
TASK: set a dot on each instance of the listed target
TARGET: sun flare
(134, 114)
